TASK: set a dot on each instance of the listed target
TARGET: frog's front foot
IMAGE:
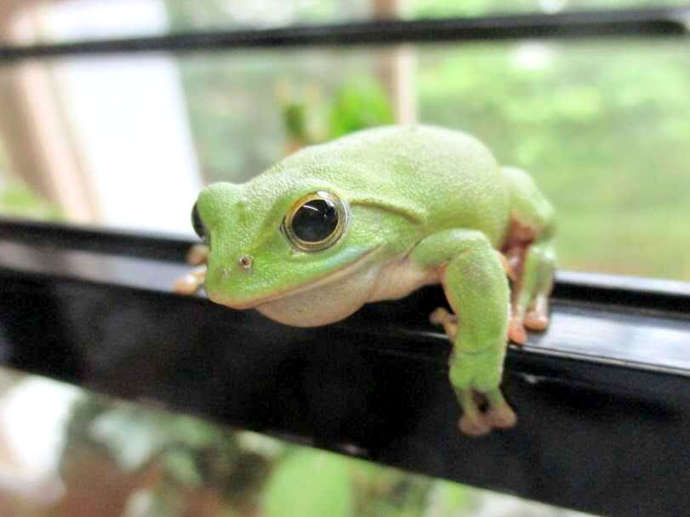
(538, 317)
(198, 254)
(190, 283)
(475, 378)
(499, 413)
(475, 422)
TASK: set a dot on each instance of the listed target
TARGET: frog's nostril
(246, 262)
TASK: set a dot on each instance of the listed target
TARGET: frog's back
(449, 175)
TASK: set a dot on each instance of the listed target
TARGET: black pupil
(315, 220)
(197, 223)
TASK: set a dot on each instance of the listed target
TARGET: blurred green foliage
(359, 105)
(604, 128)
(602, 125)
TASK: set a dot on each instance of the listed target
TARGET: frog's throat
(342, 272)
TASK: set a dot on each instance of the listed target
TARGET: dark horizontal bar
(95, 239)
(603, 396)
(583, 24)
(643, 293)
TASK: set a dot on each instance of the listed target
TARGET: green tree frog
(375, 215)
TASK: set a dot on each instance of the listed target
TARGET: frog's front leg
(476, 287)
(191, 282)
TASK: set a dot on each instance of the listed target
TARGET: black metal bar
(95, 239)
(582, 24)
(603, 397)
(643, 293)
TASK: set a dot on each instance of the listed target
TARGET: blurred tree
(603, 130)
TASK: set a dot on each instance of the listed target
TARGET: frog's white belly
(400, 277)
(334, 301)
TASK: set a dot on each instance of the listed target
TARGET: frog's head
(302, 252)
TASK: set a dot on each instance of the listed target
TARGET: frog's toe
(198, 254)
(537, 318)
(441, 316)
(501, 417)
(190, 283)
(516, 332)
(536, 321)
(474, 425)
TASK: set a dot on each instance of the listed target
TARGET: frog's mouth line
(344, 270)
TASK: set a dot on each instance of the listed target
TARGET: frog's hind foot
(537, 318)
(516, 331)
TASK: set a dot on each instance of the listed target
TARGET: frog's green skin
(426, 205)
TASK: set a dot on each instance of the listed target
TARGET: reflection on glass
(84, 455)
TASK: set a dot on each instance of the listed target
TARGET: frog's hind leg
(530, 252)
(538, 277)
(530, 306)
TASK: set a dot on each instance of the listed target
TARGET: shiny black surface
(603, 397)
(579, 24)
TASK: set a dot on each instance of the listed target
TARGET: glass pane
(601, 126)
(88, 455)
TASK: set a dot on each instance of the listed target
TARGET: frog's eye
(197, 223)
(316, 221)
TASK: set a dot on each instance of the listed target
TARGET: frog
(373, 216)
